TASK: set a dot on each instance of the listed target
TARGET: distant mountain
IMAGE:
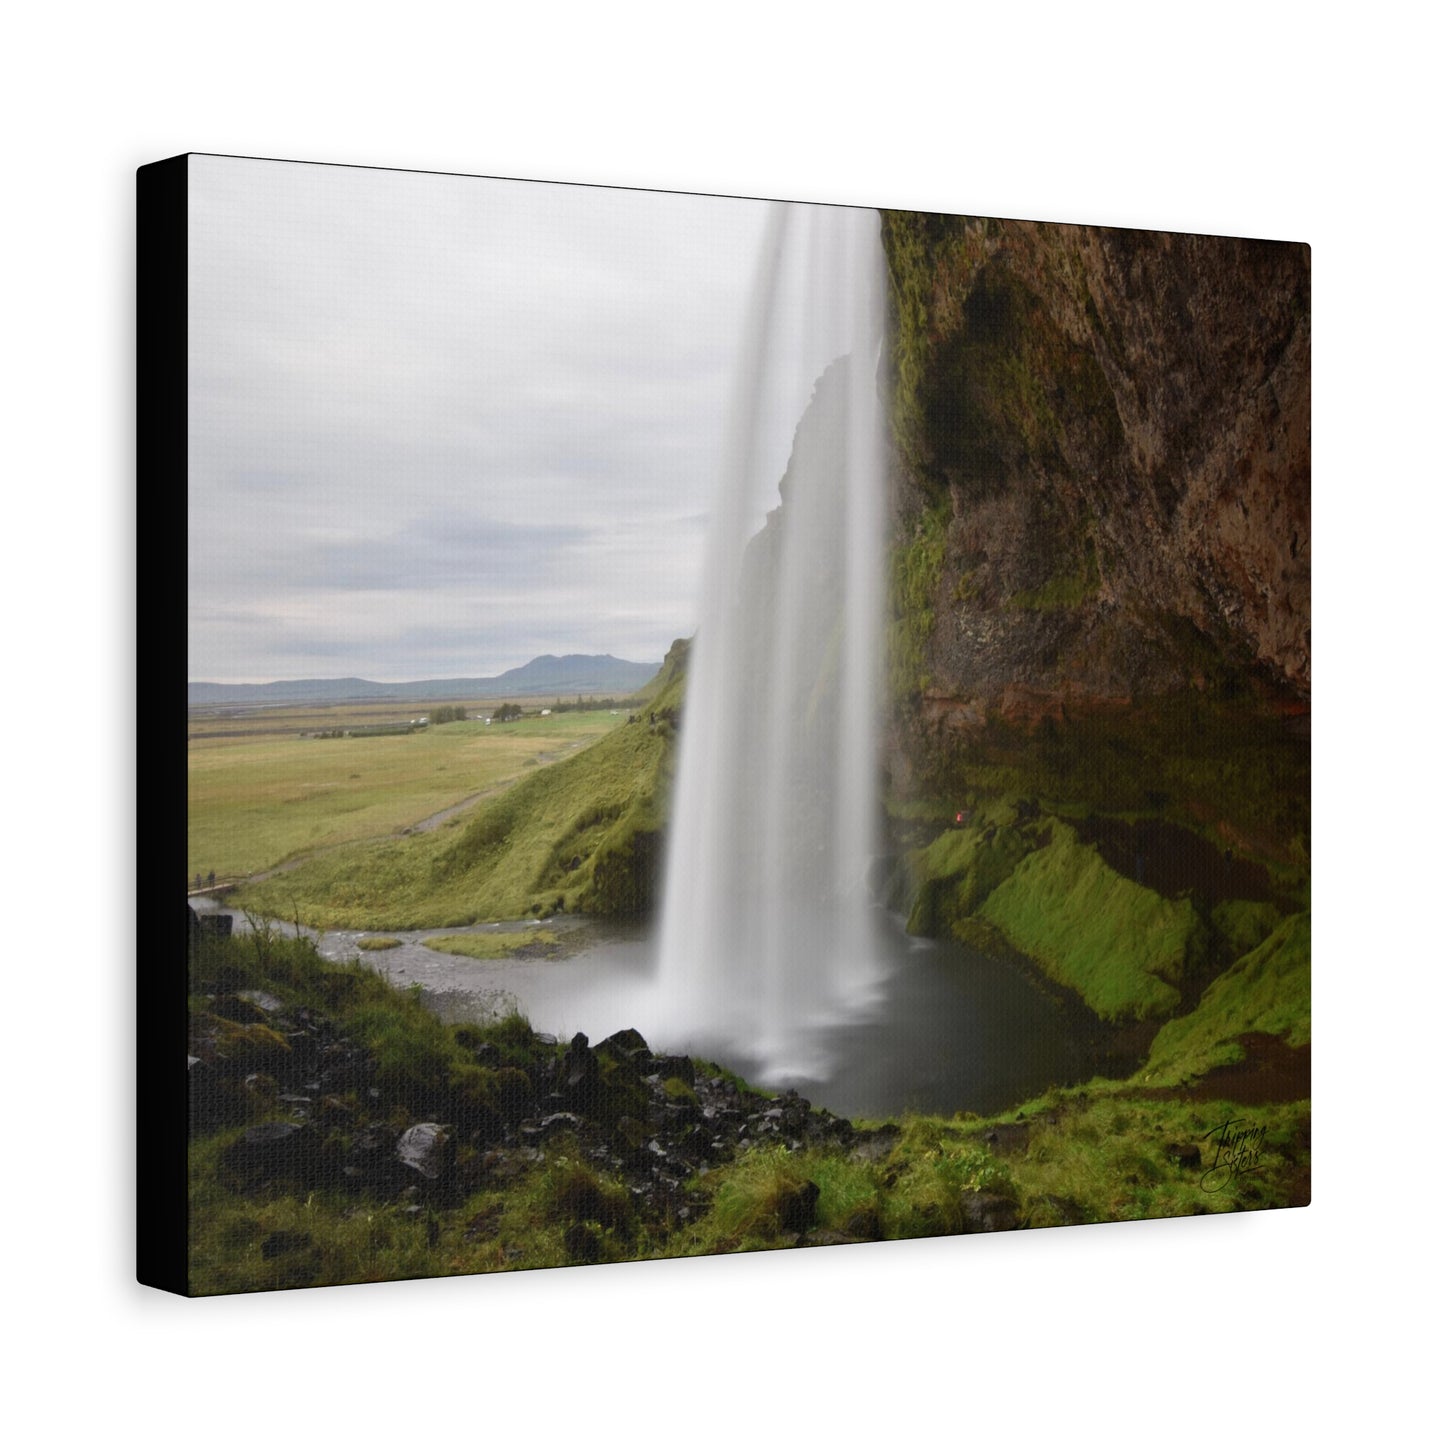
(560, 676)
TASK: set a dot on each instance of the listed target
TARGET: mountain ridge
(590, 673)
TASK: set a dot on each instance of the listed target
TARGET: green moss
(247, 1046)
(956, 873)
(1066, 590)
(492, 945)
(916, 568)
(1120, 946)
(377, 942)
(1229, 770)
(1243, 926)
(1267, 991)
(417, 1057)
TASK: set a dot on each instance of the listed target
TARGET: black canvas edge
(161, 1126)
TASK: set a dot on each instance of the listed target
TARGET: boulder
(797, 1207)
(266, 1152)
(426, 1148)
(1008, 1138)
(988, 1213)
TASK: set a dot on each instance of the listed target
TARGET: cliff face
(1102, 481)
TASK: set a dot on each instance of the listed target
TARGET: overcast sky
(441, 425)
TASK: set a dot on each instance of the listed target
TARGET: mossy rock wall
(1119, 945)
(1265, 992)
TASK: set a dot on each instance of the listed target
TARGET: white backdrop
(1289, 127)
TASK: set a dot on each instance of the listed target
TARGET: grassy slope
(512, 856)
(1120, 946)
(1266, 991)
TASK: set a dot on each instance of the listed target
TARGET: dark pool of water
(953, 1029)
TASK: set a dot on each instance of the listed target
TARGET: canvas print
(720, 725)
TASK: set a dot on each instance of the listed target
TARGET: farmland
(262, 789)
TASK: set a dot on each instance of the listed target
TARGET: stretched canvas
(718, 724)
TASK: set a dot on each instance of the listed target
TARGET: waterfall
(767, 920)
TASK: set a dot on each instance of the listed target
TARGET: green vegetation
(1118, 944)
(494, 945)
(254, 802)
(915, 570)
(957, 872)
(584, 834)
(1231, 772)
(928, 299)
(1064, 590)
(1122, 947)
(1265, 992)
(377, 942)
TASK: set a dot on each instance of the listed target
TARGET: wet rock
(1068, 1211)
(237, 1009)
(1008, 1138)
(215, 925)
(579, 1076)
(627, 1043)
(266, 1002)
(583, 1245)
(562, 1122)
(633, 1132)
(270, 1151)
(674, 1066)
(503, 1165)
(427, 1148)
(988, 1213)
(797, 1207)
(864, 1223)
(371, 1160)
(514, 1092)
(871, 1145)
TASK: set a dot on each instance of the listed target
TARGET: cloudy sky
(441, 425)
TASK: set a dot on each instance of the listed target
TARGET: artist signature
(1237, 1147)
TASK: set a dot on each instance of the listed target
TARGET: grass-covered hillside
(584, 833)
(1147, 922)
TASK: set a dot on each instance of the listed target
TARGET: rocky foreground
(655, 1122)
(342, 1133)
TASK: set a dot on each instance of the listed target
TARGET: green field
(584, 835)
(257, 801)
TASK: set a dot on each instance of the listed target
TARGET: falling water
(767, 933)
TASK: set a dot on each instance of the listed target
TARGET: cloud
(442, 423)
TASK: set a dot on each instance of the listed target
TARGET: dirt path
(1271, 1072)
